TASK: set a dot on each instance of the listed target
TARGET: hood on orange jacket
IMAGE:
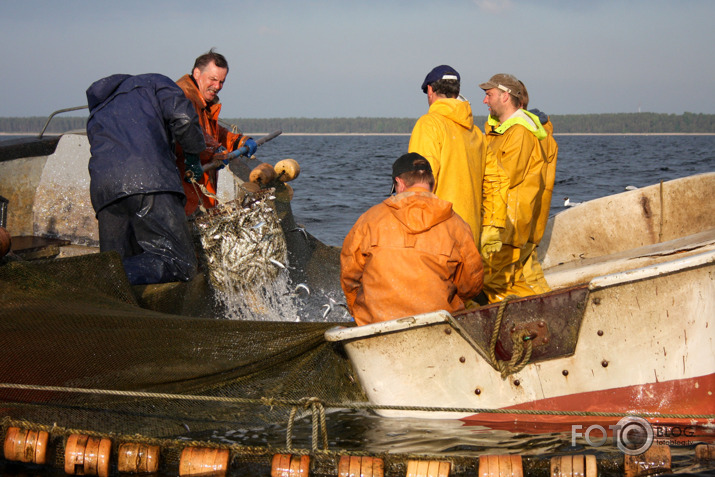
(418, 215)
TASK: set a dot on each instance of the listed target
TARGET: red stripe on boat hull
(683, 396)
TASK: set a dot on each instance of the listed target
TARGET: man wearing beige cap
(466, 172)
(513, 134)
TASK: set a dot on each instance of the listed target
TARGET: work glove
(491, 239)
(220, 151)
(192, 167)
(251, 145)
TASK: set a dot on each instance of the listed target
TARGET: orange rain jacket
(215, 136)
(407, 255)
(516, 145)
(466, 172)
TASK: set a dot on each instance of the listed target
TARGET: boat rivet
(600, 332)
(545, 340)
(477, 391)
(596, 301)
(517, 382)
(448, 331)
(565, 372)
(462, 359)
(604, 363)
(541, 324)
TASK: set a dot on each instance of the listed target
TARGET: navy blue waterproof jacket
(132, 126)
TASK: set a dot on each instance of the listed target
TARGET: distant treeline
(619, 123)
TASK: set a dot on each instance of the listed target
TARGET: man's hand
(220, 154)
(193, 170)
(491, 239)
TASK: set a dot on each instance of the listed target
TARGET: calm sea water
(352, 173)
(342, 176)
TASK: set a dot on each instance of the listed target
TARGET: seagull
(631, 187)
(568, 203)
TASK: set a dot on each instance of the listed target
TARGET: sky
(365, 58)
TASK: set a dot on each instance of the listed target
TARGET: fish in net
(244, 252)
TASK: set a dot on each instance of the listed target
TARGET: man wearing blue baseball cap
(466, 172)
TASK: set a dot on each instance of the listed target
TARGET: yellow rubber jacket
(407, 255)
(466, 172)
(551, 151)
(215, 136)
(516, 145)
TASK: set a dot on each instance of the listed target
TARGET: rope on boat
(520, 356)
(345, 405)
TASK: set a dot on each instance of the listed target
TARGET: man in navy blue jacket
(135, 187)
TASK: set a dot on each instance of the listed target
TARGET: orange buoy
(262, 174)
(425, 468)
(288, 465)
(574, 466)
(704, 452)
(5, 242)
(138, 458)
(287, 170)
(654, 460)
(500, 466)
(23, 445)
(203, 460)
(354, 466)
(85, 455)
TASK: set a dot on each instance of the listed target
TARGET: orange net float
(655, 460)
(354, 466)
(705, 452)
(574, 466)
(500, 466)
(86, 455)
(24, 445)
(5, 242)
(288, 465)
(138, 458)
(427, 468)
(203, 460)
(287, 170)
(263, 174)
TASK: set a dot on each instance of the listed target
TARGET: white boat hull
(645, 345)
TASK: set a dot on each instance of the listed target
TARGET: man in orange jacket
(202, 87)
(409, 254)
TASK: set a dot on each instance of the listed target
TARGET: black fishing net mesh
(78, 352)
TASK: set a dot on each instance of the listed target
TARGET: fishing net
(78, 352)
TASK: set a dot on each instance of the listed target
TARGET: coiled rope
(521, 350)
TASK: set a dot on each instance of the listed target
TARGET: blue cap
(438, 73)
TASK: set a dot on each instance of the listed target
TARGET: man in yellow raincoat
(201, 87)
(466, 172)
(409, 254)
(514, 134)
